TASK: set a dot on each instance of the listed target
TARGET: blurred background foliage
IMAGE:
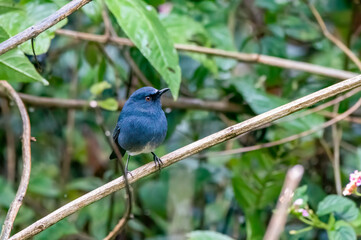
(232, 194)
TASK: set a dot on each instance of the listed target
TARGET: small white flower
(298, 202)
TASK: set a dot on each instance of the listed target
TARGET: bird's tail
(114, 156)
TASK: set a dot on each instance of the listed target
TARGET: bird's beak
(160, 92)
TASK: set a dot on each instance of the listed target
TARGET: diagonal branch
(40, 27)
(332, 38)
(187, 151)
(25, 176)
(243, 57)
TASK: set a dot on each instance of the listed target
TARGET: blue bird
(142, 125)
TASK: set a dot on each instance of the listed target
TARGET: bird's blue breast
(141, 131)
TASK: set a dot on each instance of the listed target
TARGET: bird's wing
(115, 138)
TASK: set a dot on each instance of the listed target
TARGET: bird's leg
(126, 167)
(157, 161)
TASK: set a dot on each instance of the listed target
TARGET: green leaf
(140, 22)
(57, 231)
(15, 67)
(8, 6)
(109, 104)
(342, 207)
(207, 235)
(97, 88)
(255, 230)
(184, 29)
(342, 231)
(16, 21)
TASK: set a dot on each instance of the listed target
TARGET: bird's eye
(147, 99)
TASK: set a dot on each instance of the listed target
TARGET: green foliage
(206, 196)
(15, 67)
(141, 24)
(342, 207)
(16, 21)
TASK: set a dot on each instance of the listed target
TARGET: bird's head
(146, 97)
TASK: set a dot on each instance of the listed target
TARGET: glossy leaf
(15, 67)
(109, 104)
(98, 88)
(140, 22)
(342, 231)
(16, 21)
(342, 207)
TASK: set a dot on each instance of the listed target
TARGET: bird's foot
(157, 161)
(129, 172)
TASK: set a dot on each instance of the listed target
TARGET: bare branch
(332, 38)
(327, 114)
(40, 27)
(243, 57)
(25, 176)
(279, 217)
(181, 103)
(187, 151)
(336, 137)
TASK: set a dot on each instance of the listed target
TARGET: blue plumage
(142, 125)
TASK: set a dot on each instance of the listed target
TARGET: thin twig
(108, 28)
(243, 57)
(128, 194)
(10, 141)
(327, 114)
(332, 38)
(336, 137)
(40, 27)
(279, 217)
(186, 151)
(26, 150)
(136, 69)
(290, 138)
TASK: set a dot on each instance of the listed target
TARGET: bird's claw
(129, 172)
(158, 162)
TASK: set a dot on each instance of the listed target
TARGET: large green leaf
(184, 29)
(342, 207)
(8, 6)
(15, 67)
(16, 21)
(342, 231)
(140, 22)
